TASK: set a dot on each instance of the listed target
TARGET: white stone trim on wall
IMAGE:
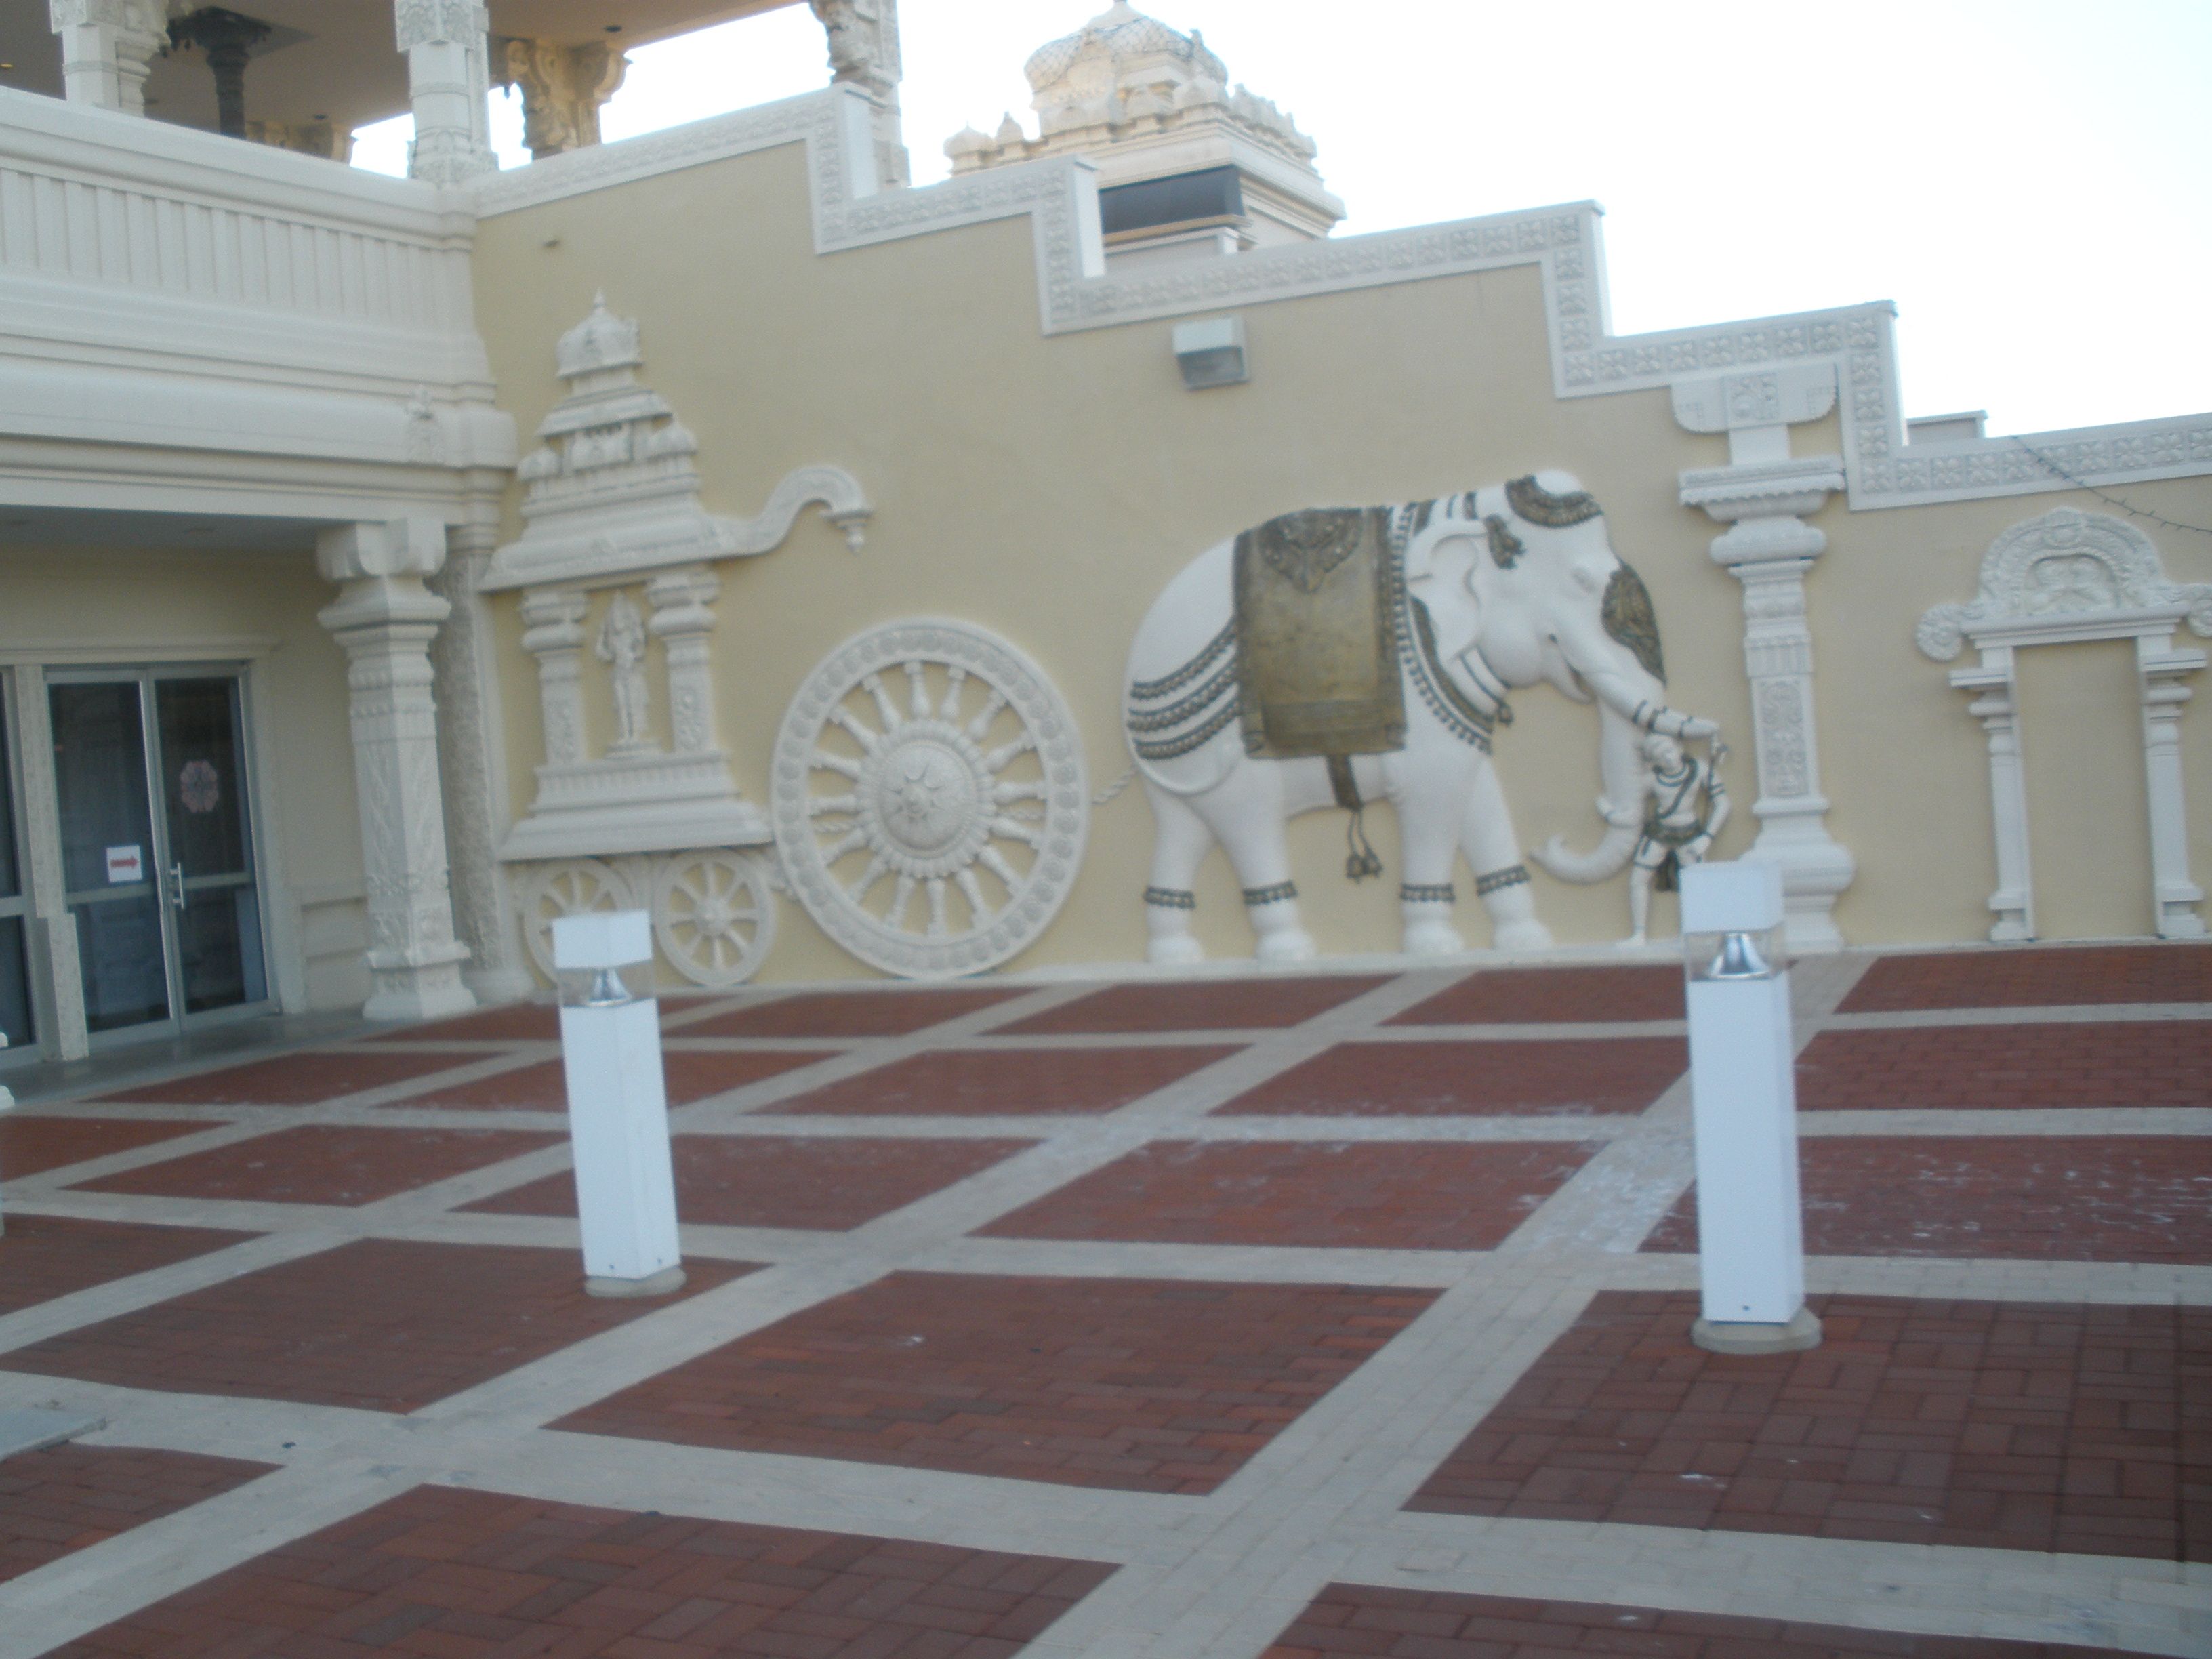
(2064, 578)
(1588, 360)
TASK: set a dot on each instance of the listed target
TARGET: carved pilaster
(107, 47)
(472, 763)
(2013, 901)
(684, 622)
(553, 632)
(1764, 496)
(563, 88)
(384, 620)
(49, 888)
(449, 85)
(864, 52)
(2176, 895)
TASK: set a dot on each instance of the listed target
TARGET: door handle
(177, 885)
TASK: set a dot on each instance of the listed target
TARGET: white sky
(2030, 180)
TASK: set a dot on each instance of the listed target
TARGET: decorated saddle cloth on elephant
(1316, 617)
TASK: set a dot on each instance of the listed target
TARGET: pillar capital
(429, 22)
(563, 88)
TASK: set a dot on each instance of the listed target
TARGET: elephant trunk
(1620, 764)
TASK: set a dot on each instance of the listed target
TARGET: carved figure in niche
(1689, 806)
(1342, 655)
(620, 646)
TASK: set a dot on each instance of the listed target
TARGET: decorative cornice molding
(1588, 360)
(2067, 575)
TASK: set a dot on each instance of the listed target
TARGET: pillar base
(1745, 1337)
(661, 1284)
(433, 993)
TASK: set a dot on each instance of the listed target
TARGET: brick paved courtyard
(1212, 1319)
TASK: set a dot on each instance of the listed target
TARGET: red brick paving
(66, 1499)
(1532, 996)
(1402, 1624)
(1321, 1195)
(2030, 977)
(689, 1075)
(378, 1324)
(775, 1180)
(42, 1257)
(477, 1575)
(1008, 1082)
(2059, 1198)
(299, 1079)
(2007, 1425)
(325, 1163)
(852, 1014)
(2124, 1063)
(516, 1022)
(1131, 1383)
(1204, 1005)
(31, 1146)
(1430, 1079)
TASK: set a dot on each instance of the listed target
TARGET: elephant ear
(1421, 554)
(1629, 618)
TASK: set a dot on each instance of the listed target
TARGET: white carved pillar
(1764, 495)
(553, 632)
(107, 47)
(449, 83)
(864, 52)
(471, 751)
(384, 620)
(563, 88)
(2174, 895)
(684, 622)
(1997, 708)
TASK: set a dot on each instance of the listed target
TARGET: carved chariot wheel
(714, 915)
(929, 798)
(567, 889)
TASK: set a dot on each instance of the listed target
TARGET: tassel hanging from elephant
(1339, 656)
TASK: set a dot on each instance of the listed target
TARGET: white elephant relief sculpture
(1473, 596)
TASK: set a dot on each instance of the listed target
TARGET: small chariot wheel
(714, 915)
(569, 888)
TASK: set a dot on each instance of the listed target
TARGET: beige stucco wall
(129, 607)
(1047, 487)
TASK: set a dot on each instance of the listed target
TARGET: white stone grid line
(1216, 1576)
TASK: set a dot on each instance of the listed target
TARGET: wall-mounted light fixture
(1210, 351)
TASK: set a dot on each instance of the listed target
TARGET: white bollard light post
(617, 1103)
(1743, 1104)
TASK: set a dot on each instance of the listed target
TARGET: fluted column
(384, 620)
(107, 47)
(2174, 895)
(449, 84)
(2013, 903)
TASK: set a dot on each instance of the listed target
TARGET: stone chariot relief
(1339, 656)
(929, 798)
(2067, 577)
(655, 821)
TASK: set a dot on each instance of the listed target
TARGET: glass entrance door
(157, 846)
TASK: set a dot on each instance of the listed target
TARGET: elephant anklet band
(1281, 893)
(1435, 893)
(1171, 898)
(1513, 875)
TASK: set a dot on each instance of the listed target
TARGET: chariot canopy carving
(2066, 566)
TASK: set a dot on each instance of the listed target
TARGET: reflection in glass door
(17, 1018)
(157, 846)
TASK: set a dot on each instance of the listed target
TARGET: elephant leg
(1432, 802)
(1247, 815)
(1501, 880)
(1180, 842)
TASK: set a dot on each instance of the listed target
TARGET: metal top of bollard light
(602, 939)
(1742, 896)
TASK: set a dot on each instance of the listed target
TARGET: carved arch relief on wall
(2067, 577)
